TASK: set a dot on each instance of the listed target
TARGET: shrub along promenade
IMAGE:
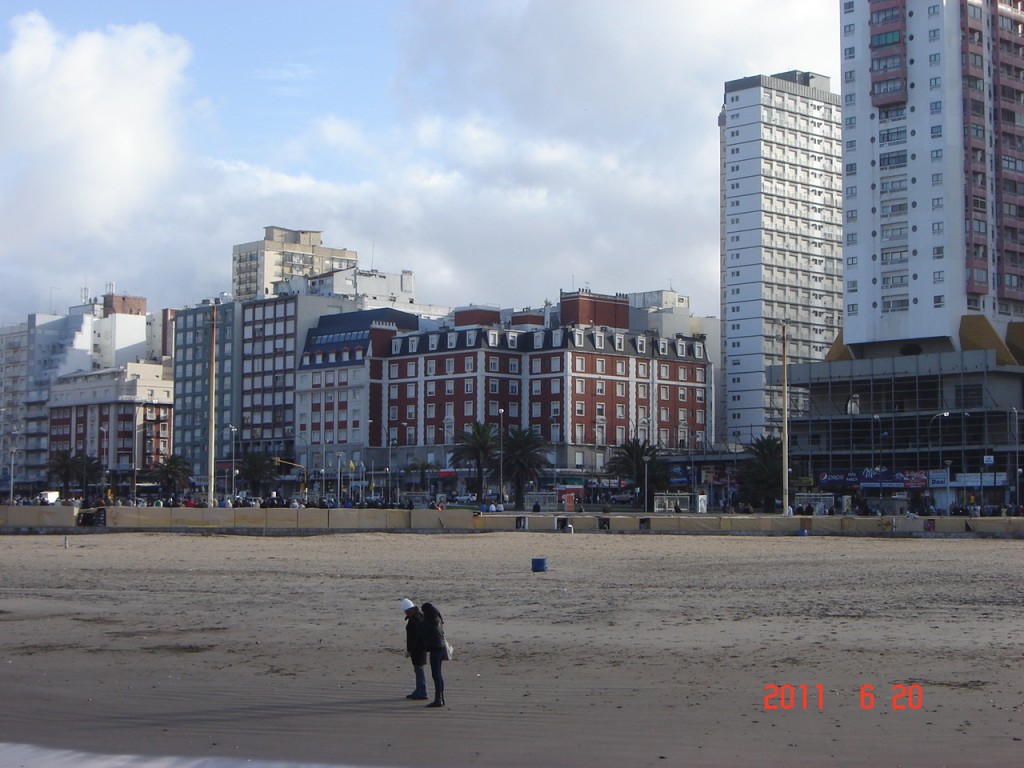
(309, 520)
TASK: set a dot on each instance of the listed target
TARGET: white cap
(407, 604)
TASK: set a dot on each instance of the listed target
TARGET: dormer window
(698, 350)
(396, 346)
(470, 338)
(414, 343)
(513, 340)
(641, 344)
(538, 339)
(453, 339)
(492, 338)
(432, 342)
(599, 340)
(662, 346)
(620, 342)
(577, 338)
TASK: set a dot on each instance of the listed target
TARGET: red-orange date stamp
(788, 697)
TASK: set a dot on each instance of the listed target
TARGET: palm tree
(628, 461)
(523, 457)
(761, 477)
(476, 447)
(422, 466)
(174, 474)
(67, 468)
(258, 470)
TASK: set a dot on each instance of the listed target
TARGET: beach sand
(631, 650)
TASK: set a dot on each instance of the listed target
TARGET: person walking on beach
(414, 647)
(436, 645)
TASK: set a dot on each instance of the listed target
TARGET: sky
(502, 150)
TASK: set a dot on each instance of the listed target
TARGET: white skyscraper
(781, 254)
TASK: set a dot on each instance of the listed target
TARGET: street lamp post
(103, 463)
(234, 430)
(647, 461)
(339, 456)
(1016, 457)
(501, 456)
(14, 450)
(391, 442)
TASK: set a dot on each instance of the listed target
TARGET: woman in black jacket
(432, 628)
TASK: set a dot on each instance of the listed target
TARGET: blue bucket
(540, 564)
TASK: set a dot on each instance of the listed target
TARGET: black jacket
(414, 638)
(433, 634)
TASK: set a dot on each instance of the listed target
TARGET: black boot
(437, 702)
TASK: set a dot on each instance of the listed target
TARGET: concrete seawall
(283, 521)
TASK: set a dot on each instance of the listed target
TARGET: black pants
(436, 659)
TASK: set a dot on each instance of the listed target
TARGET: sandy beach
(631, 650)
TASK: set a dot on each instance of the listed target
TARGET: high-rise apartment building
(281, 255)
(933, 108)
(922, 393)
(781, 251)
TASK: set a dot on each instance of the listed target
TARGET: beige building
(281, 255)
(122, 416)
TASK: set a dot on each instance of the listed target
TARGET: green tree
(761, 476)
(523, 457)
(174, 474)
(476, 447)
(258, 471)
(422, 466)
(69, 468)
(627, 461)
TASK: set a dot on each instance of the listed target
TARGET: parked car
(466, 498)
(626, 497)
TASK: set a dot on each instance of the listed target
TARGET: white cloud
(532, 147)
(94, 132)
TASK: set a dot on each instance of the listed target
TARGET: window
(935, 82)
(891, 160)
(936, 131)
(938, 276)
(884, 39)
(938, 301)
(895, 304)
(892, 135)
(936, 154)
